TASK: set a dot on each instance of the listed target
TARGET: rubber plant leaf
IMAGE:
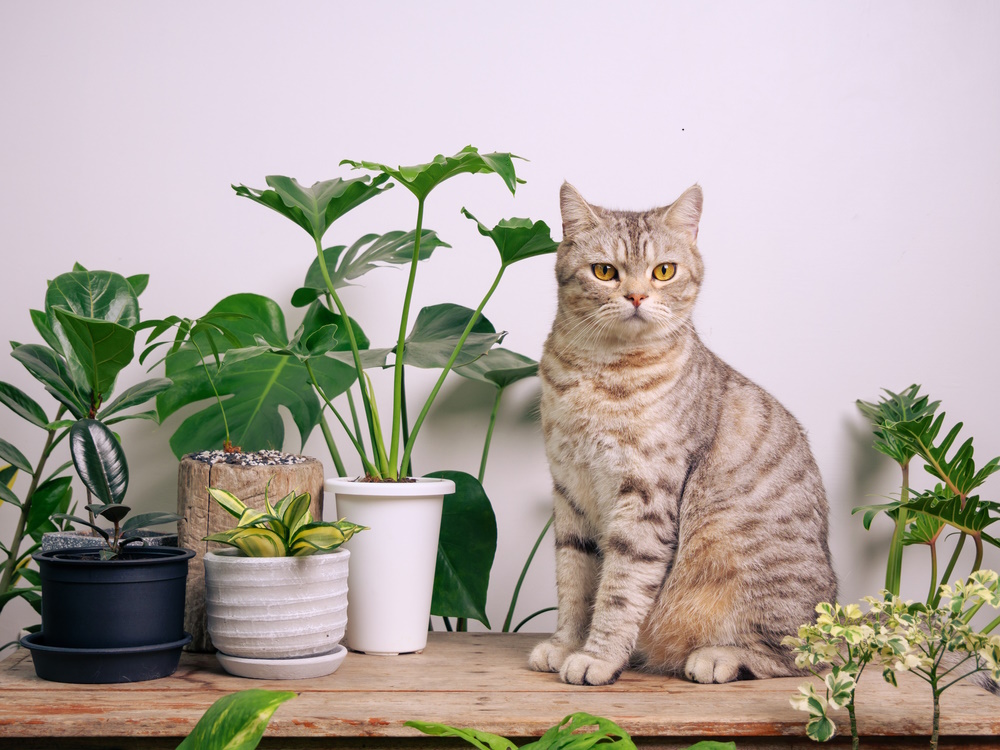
(314, 208)
(50, 369)
(517, 239)
(466, 548)
(420, 179)
(345, 264)
(99, 349)
(22, 404)
(99, 460)
(253, 390)
(236, 721)
(499, 367)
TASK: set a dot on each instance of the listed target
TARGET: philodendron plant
(88, 325)
(326, 360)
(286, 529)
(100, 463)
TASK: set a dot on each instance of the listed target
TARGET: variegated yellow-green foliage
(285, 529)
(938, 645)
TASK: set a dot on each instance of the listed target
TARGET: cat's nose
(636, 298)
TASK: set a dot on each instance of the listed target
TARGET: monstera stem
(334, 453)
(369, 467)
(489, 434)
(218, 398)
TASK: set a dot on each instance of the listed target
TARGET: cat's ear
(685, 212)
(577, 215)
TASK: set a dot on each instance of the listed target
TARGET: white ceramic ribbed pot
(276, 607)
(392, 564)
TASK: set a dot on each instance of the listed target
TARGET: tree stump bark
(201, 516)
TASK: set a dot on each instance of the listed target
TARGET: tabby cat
(690, 517)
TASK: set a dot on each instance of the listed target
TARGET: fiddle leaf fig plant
(286, 529)
(100, 463)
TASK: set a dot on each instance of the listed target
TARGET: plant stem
(937, 720)
(7, 578)
(532, 616)
(211, 382)
(489, 434)
(354, 416)
(369, 468)
(334, 453)
(461, 625)
(405, 418)
(991, 627)
(355, 352)
(524, 572)
(934, 570)
(951, 566)
(447, 368)
(855, 740)
(978, 539)
(894, 567)
(400, 344)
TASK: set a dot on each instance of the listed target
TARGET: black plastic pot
(95, 609)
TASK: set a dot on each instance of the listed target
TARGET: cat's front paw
(549, 656)
(583, 669)
(712, 665)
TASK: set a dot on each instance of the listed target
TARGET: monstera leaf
(314, 208)
(253, 388)
(499, 367)
(466, 548)
(346, 264)
(518, 239)
(422, 178)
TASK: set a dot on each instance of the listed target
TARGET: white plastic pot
(276, 607)
(392, 564)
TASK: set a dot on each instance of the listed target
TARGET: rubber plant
(88, 324)
(328, 356)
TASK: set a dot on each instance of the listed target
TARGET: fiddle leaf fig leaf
(99, 348)
(499, 367)
(517, 239)
(99, 460)
(346, 264)
(420, 179)
(102, 295)
(314, 208)
(139, 282)
(466, 549)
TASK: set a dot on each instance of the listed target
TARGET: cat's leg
(638, 550)
(718, 664)
(577, 566)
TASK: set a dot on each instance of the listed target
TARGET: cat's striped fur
(690, 517)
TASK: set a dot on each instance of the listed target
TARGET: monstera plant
(323, 368)
(88, 325)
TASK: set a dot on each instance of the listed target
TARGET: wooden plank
(471, 679)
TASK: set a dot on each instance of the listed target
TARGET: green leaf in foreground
(99, 460)
(466, 548)
(517, 239)
(235, 722)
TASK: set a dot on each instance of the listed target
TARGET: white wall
(848, 153)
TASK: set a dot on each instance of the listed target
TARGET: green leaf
(466, 549)
(922, 529)
(314, 208)
(137, 394)
(500, 368)
(476, 738)
(905, 406)
(229, 502)
(236, 721)
(422, 178)
(99, 460)
(138, 282)
(517, 239)
(114, 513)
(14, 457)
(870, 511)
(7, 476)
(41, 322)
(50, 369)
(103, 295)
(255, 541)
(820, 728)
(52, 496)
(101, 349)
(22, 405)
(567, 736)
(318, 316)
(943, 505)
(253, 390)
(346, 264)
(145, 520)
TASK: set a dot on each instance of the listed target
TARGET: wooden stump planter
(201, 516)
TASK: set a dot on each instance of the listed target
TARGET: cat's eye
(604, 272)
(665, 271)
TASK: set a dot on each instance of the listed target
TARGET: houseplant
(88, 325)
(277, 601)
(113, 615)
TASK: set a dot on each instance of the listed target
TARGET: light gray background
(848, 153)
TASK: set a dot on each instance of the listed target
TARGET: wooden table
(469, 679)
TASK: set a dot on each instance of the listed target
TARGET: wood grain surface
(471, 679)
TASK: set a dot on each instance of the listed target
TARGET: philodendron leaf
(344, 264)
(567, 735)
(499, 367)
(100, 349)
(314, 208)
(922, 529)
(420, 179)
(22, 404)
(252, 390)
(517, 239)
(466, 548)
(49, 368)
(236, 721)
(99, 460)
